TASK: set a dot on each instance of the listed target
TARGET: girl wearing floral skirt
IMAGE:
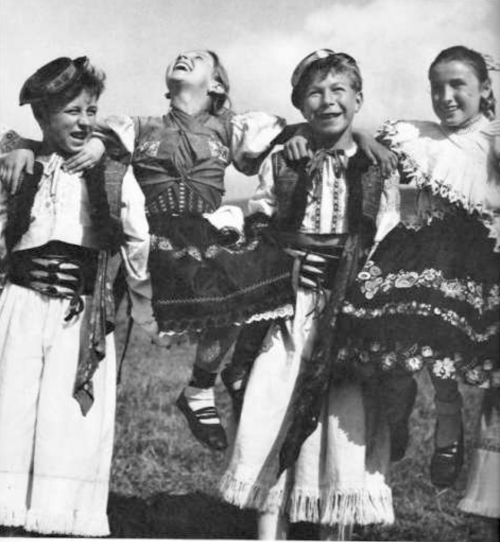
(430, 294)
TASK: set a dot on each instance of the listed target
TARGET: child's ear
(359, 101)
(486, 89)
(216, 88)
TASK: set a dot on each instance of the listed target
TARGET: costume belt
(56, 270)
(317, 258)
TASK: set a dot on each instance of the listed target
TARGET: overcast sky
(259, 41)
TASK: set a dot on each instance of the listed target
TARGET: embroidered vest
(178, 149)
(291, 185)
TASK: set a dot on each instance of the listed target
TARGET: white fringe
(362, 507)
(12, 518)
(71, 523)
(251, 495)
(357, 507)
(470, 506)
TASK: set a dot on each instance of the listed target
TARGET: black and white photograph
(250, 269)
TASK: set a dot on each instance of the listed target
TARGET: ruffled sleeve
(118, 133)
(264, 199)
(252, 138)
(457, 168)
(135, 251)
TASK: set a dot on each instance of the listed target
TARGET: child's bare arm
(13, 165)
(17, 156)
(296, 146)
(87, 158)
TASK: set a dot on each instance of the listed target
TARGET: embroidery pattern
(372, 283)
(218, 150)
(365, 357)
(424, 309)
(162, 243)
(149, 148)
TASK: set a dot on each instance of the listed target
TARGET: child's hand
(297, 147)
(87, 157)
(377, 153)
(12, 167)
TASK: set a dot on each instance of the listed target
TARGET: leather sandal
(211, 435)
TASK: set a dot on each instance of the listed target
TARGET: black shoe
(236, 395)
(211, 435)
(447, 462)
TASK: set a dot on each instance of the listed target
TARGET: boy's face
(329, 105)
(67, 129)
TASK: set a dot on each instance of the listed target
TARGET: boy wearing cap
(58, 235)
(300, 452)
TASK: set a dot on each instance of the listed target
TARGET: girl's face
(329, 105)
(456, 92)
(67, 129)
(195, 68)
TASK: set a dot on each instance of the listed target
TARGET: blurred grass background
(164, 483)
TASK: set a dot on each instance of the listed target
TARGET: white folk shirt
(61, 212)
(326, 208)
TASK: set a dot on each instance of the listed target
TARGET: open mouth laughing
(182, 65)
(80, 135)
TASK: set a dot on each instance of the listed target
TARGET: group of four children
(344, 285)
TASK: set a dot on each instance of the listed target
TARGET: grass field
(164, 484)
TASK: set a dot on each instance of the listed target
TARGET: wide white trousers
(54, 462)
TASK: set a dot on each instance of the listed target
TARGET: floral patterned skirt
(203, 277)
(428, 297)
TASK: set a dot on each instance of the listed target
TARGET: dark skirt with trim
(428, 297)
(204, 278)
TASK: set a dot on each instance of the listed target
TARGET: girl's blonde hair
(220, 102)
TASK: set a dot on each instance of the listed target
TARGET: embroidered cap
(303, 65)
(51, 79)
